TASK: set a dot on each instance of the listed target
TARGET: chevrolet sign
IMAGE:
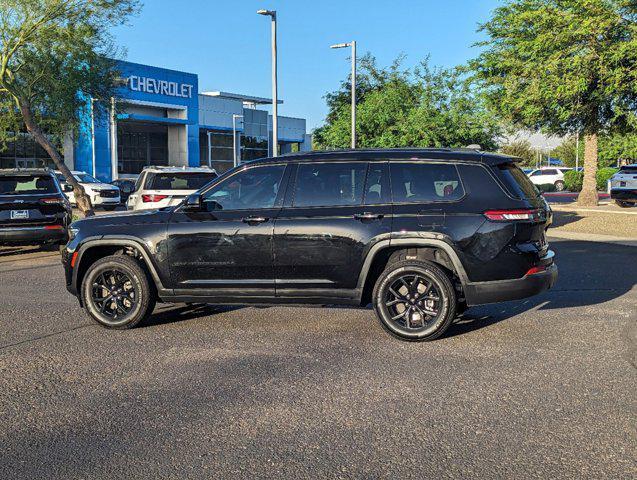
(159, 87)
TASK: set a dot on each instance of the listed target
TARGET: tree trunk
(588, 195)
(81, 199)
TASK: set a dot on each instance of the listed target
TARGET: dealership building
(158, 117)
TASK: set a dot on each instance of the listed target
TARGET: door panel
(323, 247)
(228, 245)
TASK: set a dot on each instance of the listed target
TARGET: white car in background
(549, 175)
(623, 186)
(101, 194)
(158, 187)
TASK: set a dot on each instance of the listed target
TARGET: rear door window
(329, 184)
(27, 185)
(377, 190)
(425, 182)
(515, 182)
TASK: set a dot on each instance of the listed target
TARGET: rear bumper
(478, 293)
(627, 195)
(30, 235)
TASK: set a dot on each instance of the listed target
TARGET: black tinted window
(425, 182)
(329, 184)
(628, 169)
(377, 188)
(27, 184)
(179, 181)
(251, 189)
(515, 181)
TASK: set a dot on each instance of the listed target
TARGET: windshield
(27, 185)
(179, 181)
(515, 181)
(85, 178)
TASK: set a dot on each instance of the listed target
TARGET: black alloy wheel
(116, 291)
(414, 300)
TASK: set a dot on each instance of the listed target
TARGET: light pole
(275, 121)
(353, 45)
(236, 158)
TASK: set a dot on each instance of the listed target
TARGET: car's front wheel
(559, 186)
(623, 204)
(414, 300)
(117, 293)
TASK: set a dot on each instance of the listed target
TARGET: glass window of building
(22, 151)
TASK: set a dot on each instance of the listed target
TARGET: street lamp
(353, 45)
(275, 121)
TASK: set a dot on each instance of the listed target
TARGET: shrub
(573, 180)
(602, 177)
(546, 187)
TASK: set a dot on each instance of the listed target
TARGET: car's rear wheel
(117, 293)
(414, 300)
(559, 185)
(623, 204)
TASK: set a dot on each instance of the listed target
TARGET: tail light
(511, 215)
(52, 201)
(54, 227)
(153, 198)
(534, 270)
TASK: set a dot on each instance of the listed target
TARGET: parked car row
(623, 186)
(33, 208)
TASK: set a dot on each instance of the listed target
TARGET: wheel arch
(381, 253)
(94, 249)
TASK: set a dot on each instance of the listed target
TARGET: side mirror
(192, 203)
(67, 188)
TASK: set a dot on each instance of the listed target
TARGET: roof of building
(451, 154)
(243, 98)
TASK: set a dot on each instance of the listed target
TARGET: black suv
(33, 209)
(419, 233)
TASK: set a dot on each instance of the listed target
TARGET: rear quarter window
(515, 181)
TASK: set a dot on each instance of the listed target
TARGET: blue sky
(228, 44)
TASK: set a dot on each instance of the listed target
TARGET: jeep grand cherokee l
(419, 233)
(33, 209)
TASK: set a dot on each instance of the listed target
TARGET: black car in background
(33, 209)
(421, 234)
(126, 187)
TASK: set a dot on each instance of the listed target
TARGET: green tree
(563, 66)
(423, 107)
(55, 55)
(521, 149)
(566, 151)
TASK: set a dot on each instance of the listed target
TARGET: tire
(623, 204)
(134, 297)
(415, 324)
(559, 186)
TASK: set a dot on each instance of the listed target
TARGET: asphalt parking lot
(543, 388)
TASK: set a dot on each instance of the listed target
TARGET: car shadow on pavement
(564, 218)
(172, 313)
(590, 273)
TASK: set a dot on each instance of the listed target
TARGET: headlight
(73, 231)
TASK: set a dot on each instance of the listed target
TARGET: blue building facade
(158, 117)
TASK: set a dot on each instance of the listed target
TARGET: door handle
(368, 216)
(252, 220)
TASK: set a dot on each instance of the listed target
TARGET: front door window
(253, 189)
